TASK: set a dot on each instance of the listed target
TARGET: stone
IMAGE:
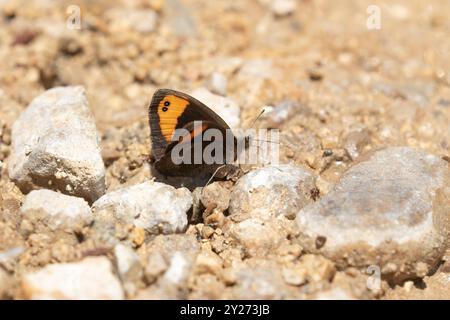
(9, 257)
(208, 262)
(140, 20)
(56, 210)
(272, 191)
(317, 268)
(170, 259)
(216, 194)
(128, 264)
(225, 107)
(55, 146)
(217, 84)
(260, 279)
(283, 8)
(259, 237)
(355, 142)
(89, 279)
(294, 276)
(153, 206)
(389, 210)
(280, 113)
(156, 265)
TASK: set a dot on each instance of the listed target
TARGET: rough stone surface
(391, 210)
(128, 264)
(90, 279)
(283, 7)
(248, 233)
(56, 210)
(280, 113)
(216, 194)
(272, 191)
(226, 108)
(170, 260)
(153, 206)
(218, 84)
(259, 279)
(55, 145)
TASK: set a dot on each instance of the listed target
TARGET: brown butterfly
(171, 110)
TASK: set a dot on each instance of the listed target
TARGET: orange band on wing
(169, 109)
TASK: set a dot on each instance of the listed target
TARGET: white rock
(226, 108)
(89, 279)
(272, 191)
(153, 206)
(390, 210)
(283, 7)
(281, 113)
(178, 251)
(178, 269)
(128, 264)
(55, 145)
(218, 84)
(141, 20)
(59, 211)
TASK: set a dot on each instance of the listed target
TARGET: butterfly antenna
(212, 177)
(257, 118)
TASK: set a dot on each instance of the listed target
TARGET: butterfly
(171, 111)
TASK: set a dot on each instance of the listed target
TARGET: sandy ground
(382, 87)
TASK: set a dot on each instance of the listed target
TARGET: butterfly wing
(171, 110)
(193, 133)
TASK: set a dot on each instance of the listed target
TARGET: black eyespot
(167, 103)
(164, 109)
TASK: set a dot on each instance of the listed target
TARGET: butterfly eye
(167, 103)
(164, 109)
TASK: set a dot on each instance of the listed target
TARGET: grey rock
(153, 206)
(390, 210)
(55, 145)
(272, 191)
(56, 210)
